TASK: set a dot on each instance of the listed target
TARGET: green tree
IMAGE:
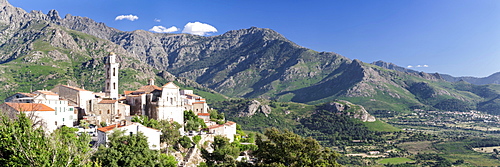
(129, 150)
(224, 153)
(21, 144)
(191, 125)
(196, 139)
(192, 122)
(170, 133)
(84, 124)
(144, 120)
(289, 149)
(185, 142)
(215, 115)
(71, 150)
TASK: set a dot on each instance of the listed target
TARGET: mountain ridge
(491, 79)
(249, 63)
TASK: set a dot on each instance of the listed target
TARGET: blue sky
(457, 37)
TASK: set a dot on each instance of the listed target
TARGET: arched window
(108, 111)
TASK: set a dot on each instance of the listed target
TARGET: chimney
(151, 81)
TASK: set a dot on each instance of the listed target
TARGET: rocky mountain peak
(265, 34)
(392, 66)
(53, 15)
(357, 62)
(4, 3)
(384, 64)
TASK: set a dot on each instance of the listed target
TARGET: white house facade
(130, 128)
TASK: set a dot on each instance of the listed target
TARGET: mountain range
(492, 79)
(39, 51)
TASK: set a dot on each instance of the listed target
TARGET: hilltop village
(69, 106)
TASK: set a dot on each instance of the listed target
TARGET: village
(438, 120)
(108, 111)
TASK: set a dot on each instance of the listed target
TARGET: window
(108, 111)
(100, 112)
(114, 72)
(114, 85)
(56, 123)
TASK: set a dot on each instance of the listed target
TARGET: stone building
(109, 110)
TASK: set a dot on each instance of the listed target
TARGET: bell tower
(111, 83)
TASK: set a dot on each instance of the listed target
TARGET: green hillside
(318, 121)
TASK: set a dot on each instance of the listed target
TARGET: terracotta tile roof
(107, 101)
(75, 88)
(27, 94)
(203, 114)
(29, 107)
(193, 95)
(111, 127)
(199, 102)
(148, 88)
(171, 85)
(229, 123)
(128, 92)
(46, 92)
(215, 126)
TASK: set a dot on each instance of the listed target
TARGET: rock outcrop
(345, 107)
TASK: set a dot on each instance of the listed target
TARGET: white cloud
(128, 17)
(161, 29)
(198, 28)
(418, 66)
(157, 20)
